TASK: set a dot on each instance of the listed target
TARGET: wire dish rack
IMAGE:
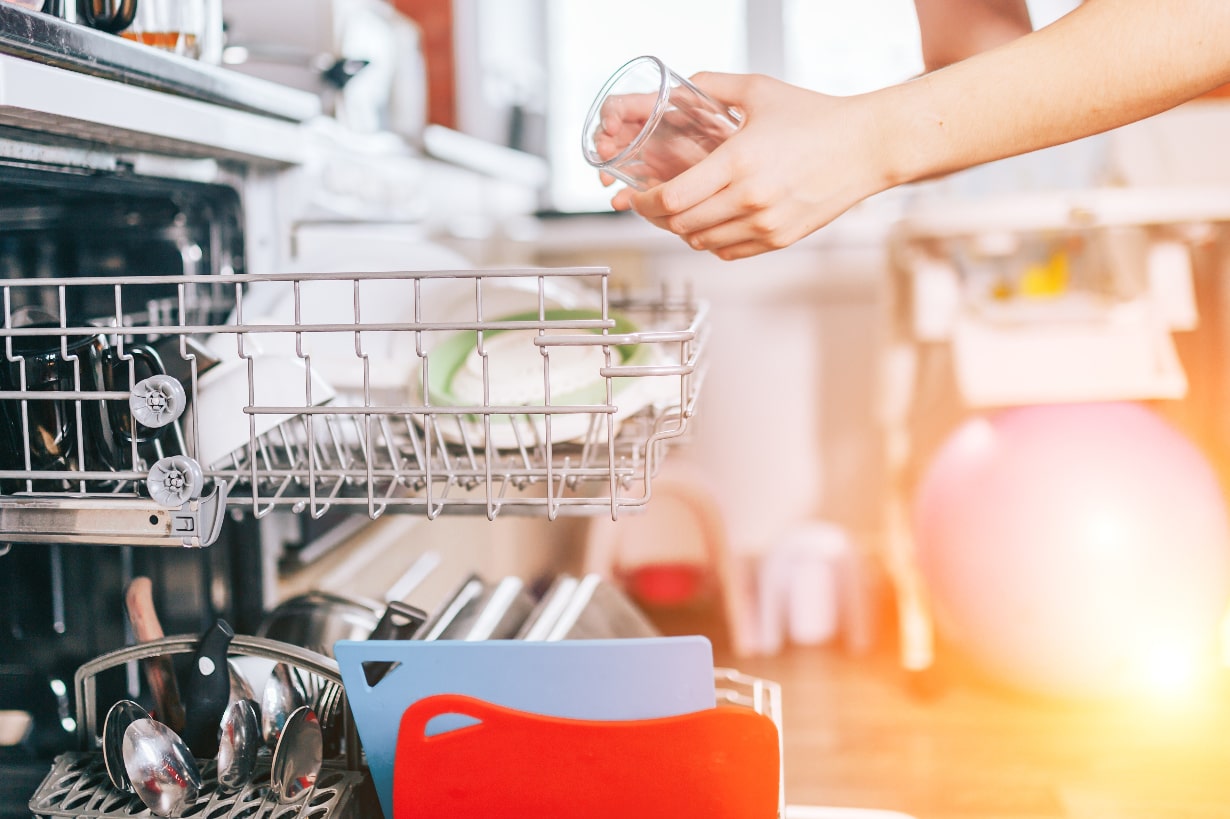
(137, 409)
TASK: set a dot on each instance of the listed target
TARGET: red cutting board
(719, 763)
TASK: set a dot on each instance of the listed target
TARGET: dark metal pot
(318, 619)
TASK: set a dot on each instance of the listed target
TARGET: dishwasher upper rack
(377, 415)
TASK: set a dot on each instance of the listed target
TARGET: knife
(159, 671)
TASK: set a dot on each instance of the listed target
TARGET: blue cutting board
(616, 679)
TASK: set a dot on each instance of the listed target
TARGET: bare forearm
(1105, 64)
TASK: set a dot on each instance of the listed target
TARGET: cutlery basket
(77, 787)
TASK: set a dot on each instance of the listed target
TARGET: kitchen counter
(54, 116)
(857, 735)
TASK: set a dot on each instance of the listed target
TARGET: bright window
(848, 48)
(590, 40)
(843, 48)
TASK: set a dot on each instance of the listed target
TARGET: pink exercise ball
(1075, 550)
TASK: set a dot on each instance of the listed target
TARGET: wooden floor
(858, 734)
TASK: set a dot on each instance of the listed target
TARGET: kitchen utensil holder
(369, 449)
(78, 785)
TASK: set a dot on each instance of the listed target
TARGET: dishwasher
(168, 387)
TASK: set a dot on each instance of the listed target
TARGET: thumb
(732, 89)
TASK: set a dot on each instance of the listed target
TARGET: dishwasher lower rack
(136, 409)
(78, 786)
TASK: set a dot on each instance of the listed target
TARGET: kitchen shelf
(75, 114)
(535, 391)
(46, 38)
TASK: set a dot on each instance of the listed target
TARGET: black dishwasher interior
(62, 603)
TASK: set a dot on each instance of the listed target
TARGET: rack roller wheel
(157, 401)
(174, 481)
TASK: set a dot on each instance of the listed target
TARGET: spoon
(282, 695)
(297, 757)
(241, 689)
(162, 771)
(119, 717)
(238, 740)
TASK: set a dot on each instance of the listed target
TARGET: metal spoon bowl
(119, 717)
(238, 740)
(298, 756)
(241, 689)
(162, 771)
(282, 695)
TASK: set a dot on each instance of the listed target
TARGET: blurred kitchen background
(810, 520)
(1085, 273)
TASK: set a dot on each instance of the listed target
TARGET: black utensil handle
(400, 621)
(207, 689)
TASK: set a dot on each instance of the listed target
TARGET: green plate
(449, 356)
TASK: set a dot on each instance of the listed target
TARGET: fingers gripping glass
(648, 124)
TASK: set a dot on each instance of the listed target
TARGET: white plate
(378, 367)
(223, 393)
(518, 373)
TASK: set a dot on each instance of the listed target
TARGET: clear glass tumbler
(177, 26)
(648, 124)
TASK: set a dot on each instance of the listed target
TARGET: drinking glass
(177, 26)
(648, 124)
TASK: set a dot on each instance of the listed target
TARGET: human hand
(800, 160)
(623, 116)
